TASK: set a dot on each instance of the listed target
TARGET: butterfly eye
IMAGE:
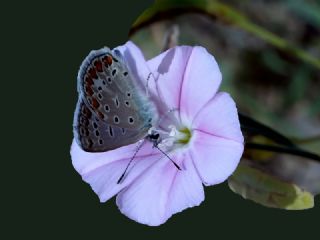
(155, 136)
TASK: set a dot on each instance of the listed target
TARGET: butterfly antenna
(125, 171)
(175, 164)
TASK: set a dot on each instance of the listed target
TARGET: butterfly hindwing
(94, 135)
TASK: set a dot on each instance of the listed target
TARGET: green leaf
(307, 9)
(269, 191)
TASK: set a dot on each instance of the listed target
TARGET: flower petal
(161, 191)
(220, 118)
(215, 158)
(102, 170)
(168, 69)
(141, 73)
(138, 66)
(187, 78)
(187, 190)
(202, 79)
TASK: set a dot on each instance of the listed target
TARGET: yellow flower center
(183, 135)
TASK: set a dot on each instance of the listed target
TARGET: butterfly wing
(95, 135)
(111, 111)
(110, 91)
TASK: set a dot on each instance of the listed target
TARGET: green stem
(253, 127)
(281, 149)
(306, 140)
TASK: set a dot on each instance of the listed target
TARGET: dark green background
(42, 46)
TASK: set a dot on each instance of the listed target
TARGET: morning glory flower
(200, 132)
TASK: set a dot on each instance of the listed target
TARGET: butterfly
(111, 110)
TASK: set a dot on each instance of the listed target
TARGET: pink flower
(203, 138)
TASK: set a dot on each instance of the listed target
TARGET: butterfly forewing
(108, 89)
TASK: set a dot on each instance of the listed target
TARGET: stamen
(183, 136)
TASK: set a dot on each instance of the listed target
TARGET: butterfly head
(154, 137)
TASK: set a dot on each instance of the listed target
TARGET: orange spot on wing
(107, 60)
(89, 90)
(101, 115)
(95, 103)
(98, 65)
(92, 73)
(89, 81)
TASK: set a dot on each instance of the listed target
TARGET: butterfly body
(112, 111)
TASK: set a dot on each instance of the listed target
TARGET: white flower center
(175, 138)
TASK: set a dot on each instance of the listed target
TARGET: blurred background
(268, 52)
